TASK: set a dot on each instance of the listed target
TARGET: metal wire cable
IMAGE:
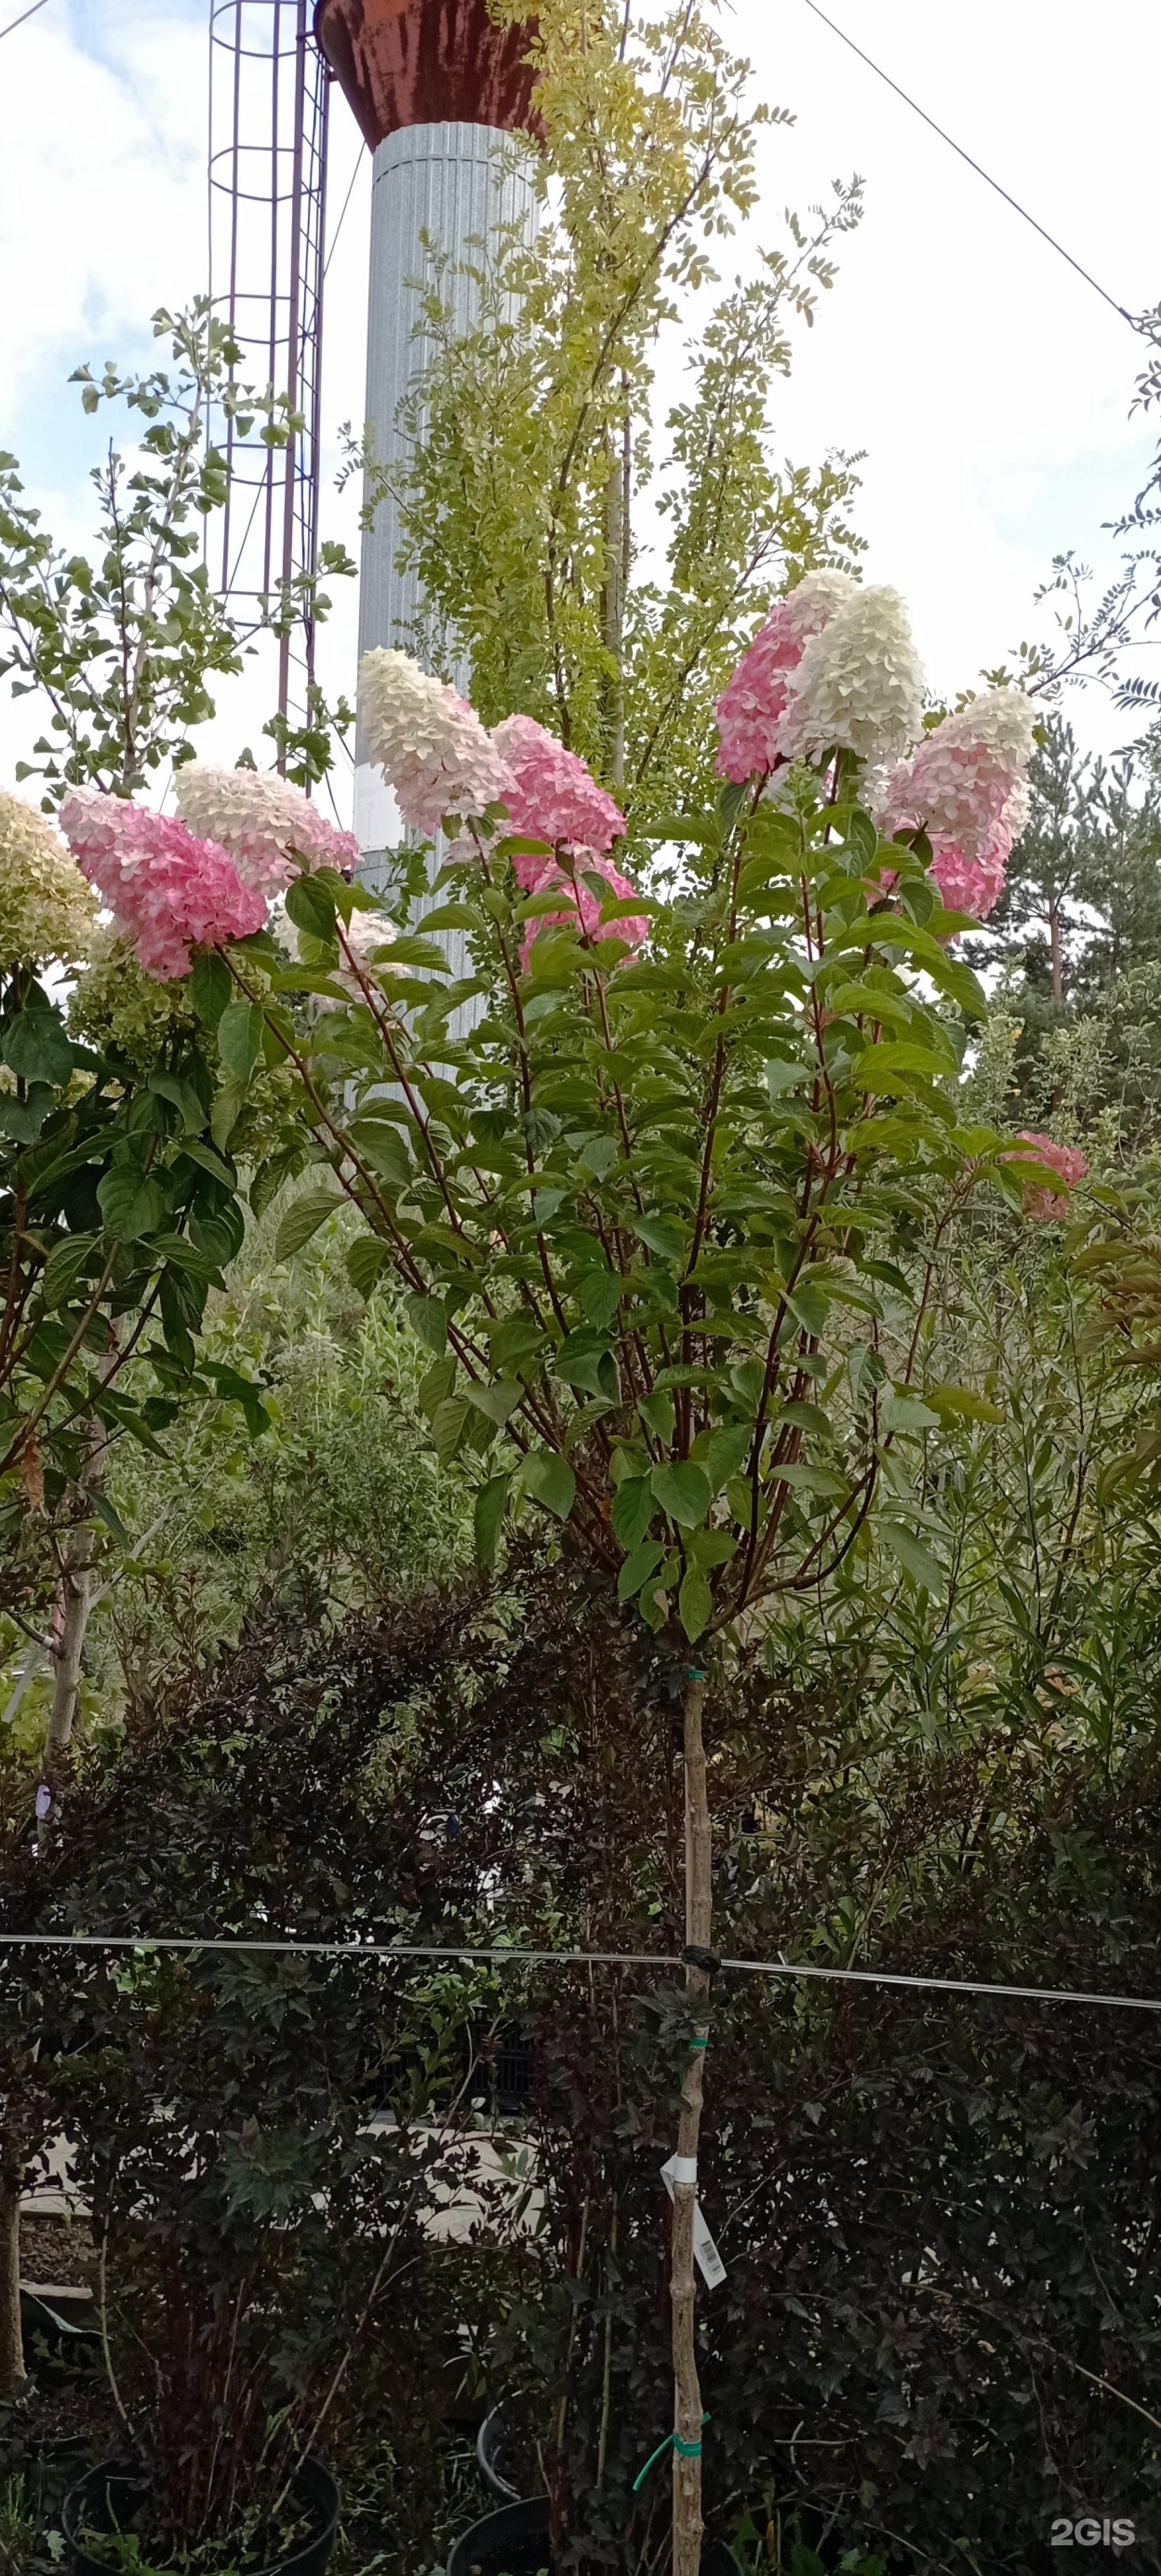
(14, 23)
(504, 1955)
(334, 241)
(1133, 320)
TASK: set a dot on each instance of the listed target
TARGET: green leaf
(103, 1510)
(210, 987)
(633, 1510)
(66, 1266)
(195, 1149)
(497, 1401)
(808, 1306)
(427, 1317)
(638, 1567)
(725, 1452)
(809, 1480)
(915, 1559)
(950, 1401)
(131, 1204)
(584, 1362)
(380, 1144)
(311, 909)
(904, 1413)
(37, 1047)
(169, 1086)
(448, 1425)
(683, 1491)
(694, 1603)
(450, 916)
(436, 1382)
(550, 1480)
(514, 1340)
(366, 1258)
(598, 1295)
(240, 1040)
(233, 1388)
(270, 1176)
(890, 1067)
(597, 1155)
(660, 1235)
(781, 1076)
(227, 1108)
(22, 1120)
(488, 1516)
(302, 1219)
(412, 949)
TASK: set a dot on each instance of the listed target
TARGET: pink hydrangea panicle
(966, 787)
(752, 709)
(429, 743)
(554, 798)
(973, 885)
(270, 829)
(579, 907)
(168, 891)
(1041, 1203)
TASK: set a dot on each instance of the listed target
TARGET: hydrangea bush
(116, 1208)
(665, 1215)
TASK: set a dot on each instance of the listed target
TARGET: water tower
(439, 91)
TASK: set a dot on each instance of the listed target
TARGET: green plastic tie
(700, 2043)
(672, 2442)
(694, 1673)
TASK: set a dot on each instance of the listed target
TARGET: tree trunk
(11, 2339)
(687, 2409)
(613, 590)
(74, 1596)
(74, 1601)
(1057, 947)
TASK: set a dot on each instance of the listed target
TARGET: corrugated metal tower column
(444, 98)
(458, 184)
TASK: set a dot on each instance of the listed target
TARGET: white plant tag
(705, 2252)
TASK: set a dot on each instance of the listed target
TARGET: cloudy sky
(989, 387)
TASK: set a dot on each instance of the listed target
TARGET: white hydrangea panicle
(429, 744)
(859, 684)
(271, 830)
(47, 912)
(752, 709)
(363, 936)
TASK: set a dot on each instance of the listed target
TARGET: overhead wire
(14, 23)
(1133, 320)
(509, 1954)
(333, 245)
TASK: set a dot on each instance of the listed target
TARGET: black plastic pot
(490, 2454)
(107, 2498)
(514, 2542)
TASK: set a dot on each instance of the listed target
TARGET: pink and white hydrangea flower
(428, 742)
(753, 706)
(270, 829)
(168, 891)
(554, 796)
(966, 787)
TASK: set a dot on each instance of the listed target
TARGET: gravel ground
(55, 2251)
